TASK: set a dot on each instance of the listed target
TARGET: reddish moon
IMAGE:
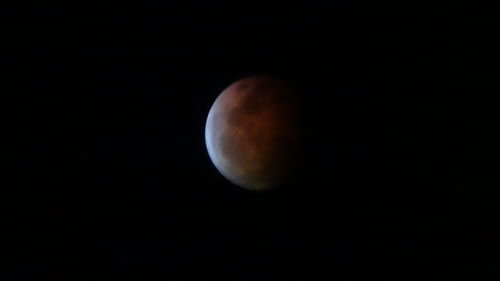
(252, 132)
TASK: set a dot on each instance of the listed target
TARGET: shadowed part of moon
(251, 132)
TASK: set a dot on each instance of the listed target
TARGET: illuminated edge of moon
(219, 161)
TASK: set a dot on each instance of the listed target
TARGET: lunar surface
(252, 132)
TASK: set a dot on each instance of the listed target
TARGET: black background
(107, 174)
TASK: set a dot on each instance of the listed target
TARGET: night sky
(108, 177)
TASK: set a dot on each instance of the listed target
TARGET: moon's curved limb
(250, 132)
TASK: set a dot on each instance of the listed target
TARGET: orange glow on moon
(251, 132)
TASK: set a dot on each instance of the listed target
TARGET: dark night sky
(108, 175)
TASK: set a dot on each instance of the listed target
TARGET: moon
(252, 132)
